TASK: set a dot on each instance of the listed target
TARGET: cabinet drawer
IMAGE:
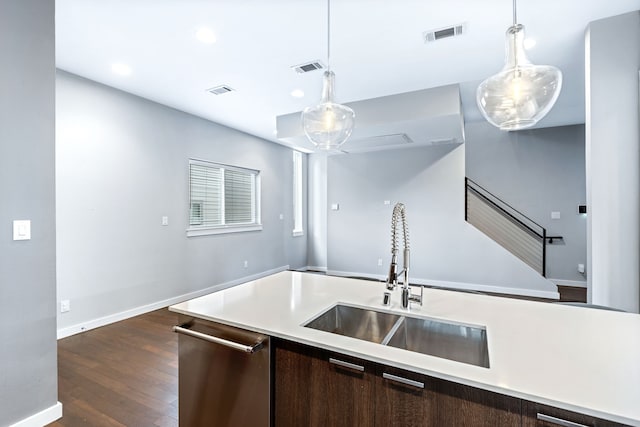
(315, 387)
(538, 415)
(403, 398)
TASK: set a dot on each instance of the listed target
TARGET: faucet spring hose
(399, 214)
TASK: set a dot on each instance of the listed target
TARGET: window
(223, 199)
(297, 194)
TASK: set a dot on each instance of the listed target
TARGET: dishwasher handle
(231, 344)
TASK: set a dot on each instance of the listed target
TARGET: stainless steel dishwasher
(223, 375)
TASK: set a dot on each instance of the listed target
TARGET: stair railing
(510, 228)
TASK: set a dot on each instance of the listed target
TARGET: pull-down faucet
(392, 279)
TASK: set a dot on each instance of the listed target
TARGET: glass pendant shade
(328, 125)
(522, 93)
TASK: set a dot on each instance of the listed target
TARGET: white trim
(458, 285)
(195, 232)
(574, 283)
(42, 418)
(116, 317)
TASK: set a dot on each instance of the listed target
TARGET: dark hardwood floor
(123, 374)
(572, 293)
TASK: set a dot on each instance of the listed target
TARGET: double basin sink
(453, 341)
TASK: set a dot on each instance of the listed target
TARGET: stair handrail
(541, 232)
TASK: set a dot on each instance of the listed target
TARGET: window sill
(194, 232)
(297, 233)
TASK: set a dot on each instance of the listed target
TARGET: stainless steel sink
(453, 341)
(368, 325)
(462, 343)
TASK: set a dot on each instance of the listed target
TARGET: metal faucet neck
(399, 216)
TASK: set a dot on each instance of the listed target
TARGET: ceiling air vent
(309, 66)
(443, 33)
(220, 90)
(443, 141)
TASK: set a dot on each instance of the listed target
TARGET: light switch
(335, 207)
(387, 202)
(555, 215)
(22, 230)
(165, 220)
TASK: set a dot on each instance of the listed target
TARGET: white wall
(612, 155)
(28, 366)
(537, 171)
(445, 249)
(317, 243)
(122, 164)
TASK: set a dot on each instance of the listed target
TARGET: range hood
(425, 117)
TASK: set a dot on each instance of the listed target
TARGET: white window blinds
(222, 196)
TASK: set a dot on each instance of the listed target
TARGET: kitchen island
(573, 358)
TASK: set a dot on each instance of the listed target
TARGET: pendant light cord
(515, 20)
(328, 35)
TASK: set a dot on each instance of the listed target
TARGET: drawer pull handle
(558, 421)
(347, 365)
(402, 380)
(216, 340)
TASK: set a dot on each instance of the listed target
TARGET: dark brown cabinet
(319, 388)
(403, 399)
(461, 405)
(314, 387)
(538, 415)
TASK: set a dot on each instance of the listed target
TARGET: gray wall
(122, 164)
(28, 379)
(612, 154)
(537, 171)
(445, 250)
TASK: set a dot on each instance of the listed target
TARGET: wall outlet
(581, 268)
(555, 215)
(65, 305)
(379, 262)
(165, 220)
(246, 264)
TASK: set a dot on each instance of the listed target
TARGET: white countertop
(579, 359)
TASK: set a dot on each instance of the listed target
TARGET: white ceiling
(377, 49)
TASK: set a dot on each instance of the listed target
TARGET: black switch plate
(582, 209)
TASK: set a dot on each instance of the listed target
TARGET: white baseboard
(458, 285)
(116, 317)
(42, 418)
(573, 283)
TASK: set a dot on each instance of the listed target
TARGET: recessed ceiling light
(206, 35)
(529, 43)
(297, 93)
(121, 69)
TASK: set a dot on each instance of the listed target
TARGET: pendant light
(522, 93)
(328, 124)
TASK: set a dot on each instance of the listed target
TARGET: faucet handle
(415, 297)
